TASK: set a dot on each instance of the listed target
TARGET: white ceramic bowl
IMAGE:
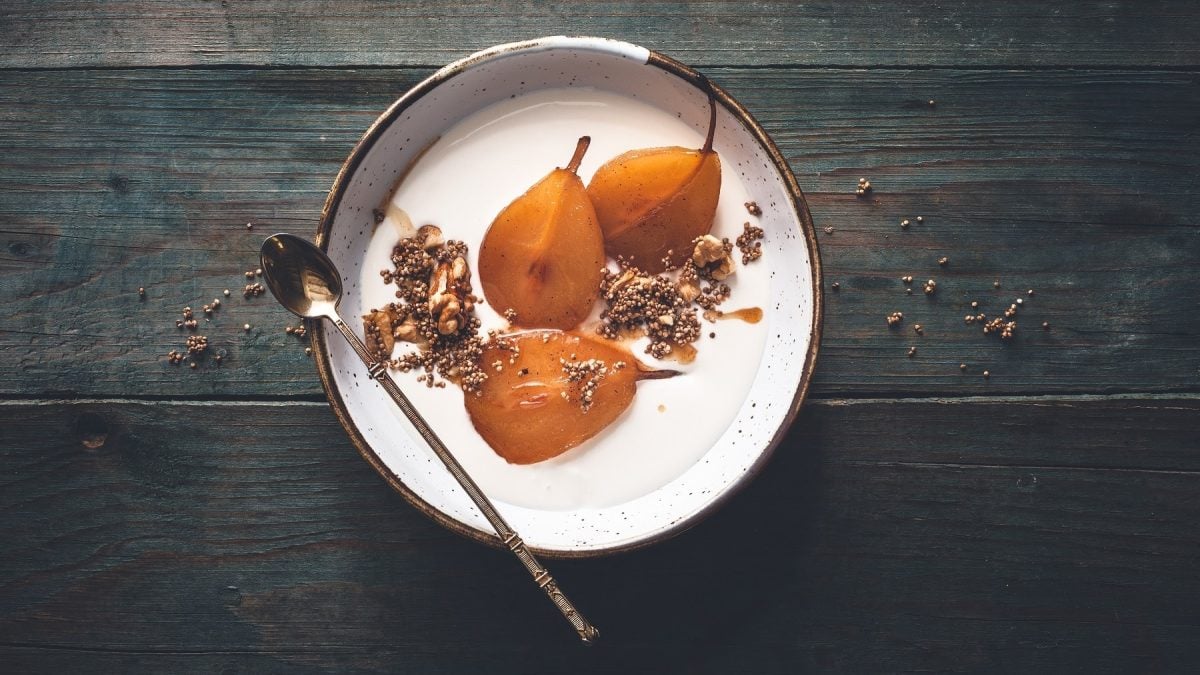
(793, 319)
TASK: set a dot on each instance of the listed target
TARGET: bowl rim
(798, 204)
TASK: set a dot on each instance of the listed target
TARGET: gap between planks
(268, 400)
(1081, 67)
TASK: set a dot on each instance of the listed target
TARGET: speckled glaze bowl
(793, 318)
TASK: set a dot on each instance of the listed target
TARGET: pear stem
(580, 148)
(712, 116)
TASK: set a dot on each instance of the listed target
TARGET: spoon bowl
(301, 277)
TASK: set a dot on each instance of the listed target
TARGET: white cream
(465, 179)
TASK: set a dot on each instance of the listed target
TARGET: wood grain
(1081, 185)
(883, 536)
(429, 33)
(915, 518)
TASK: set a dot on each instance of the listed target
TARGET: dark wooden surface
(916, 518)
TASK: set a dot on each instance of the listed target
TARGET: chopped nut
(407, 331)
(688, 289)
(430, 237)
(753, 208)
(378, 331)
(448, 312)
(458, 269)
(713, 256)
(626, 277)
(446, 297)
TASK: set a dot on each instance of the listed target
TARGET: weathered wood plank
(1081, 185)
(430, 33)
(1041, 536)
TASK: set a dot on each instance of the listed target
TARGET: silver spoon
(304, 280)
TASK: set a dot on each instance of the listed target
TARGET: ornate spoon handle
(587, 632)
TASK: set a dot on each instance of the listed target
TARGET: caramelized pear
(542, 257)
(653, 202)
(553, 391)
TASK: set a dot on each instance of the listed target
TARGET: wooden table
(158, 519)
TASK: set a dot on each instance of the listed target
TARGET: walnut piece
(377, 327)
(448, 311)
(621, 282)
(430, 237)
(407, 330)
(688, 285)
(446, 296)
(713, 255)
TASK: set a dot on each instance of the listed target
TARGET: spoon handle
(378, 371)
